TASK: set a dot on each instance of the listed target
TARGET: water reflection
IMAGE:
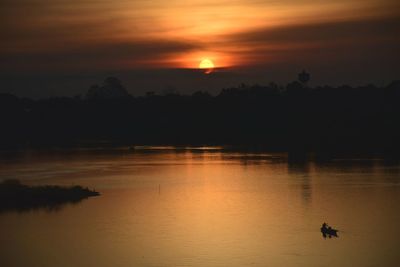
(301, 168)
(33, 207)
(185, 207)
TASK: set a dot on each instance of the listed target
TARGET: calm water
(168, 207)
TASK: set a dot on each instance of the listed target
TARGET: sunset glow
(153, 34)
(206, 64)
(271, 40)
(199, 133)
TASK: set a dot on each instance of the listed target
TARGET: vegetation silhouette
(15, 196)
(292, 118)
(304, 77)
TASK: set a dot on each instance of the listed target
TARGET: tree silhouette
(304, 77)
(112, 88)
(294, 117)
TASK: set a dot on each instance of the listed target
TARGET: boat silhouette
(328, 231)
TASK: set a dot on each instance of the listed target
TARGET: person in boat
(324, 229)
(328, 231)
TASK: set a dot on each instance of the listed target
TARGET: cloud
(273, 38)
(325, 31)
(365, 39)
(95, 56)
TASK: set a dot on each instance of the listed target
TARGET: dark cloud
(355, 50)
(321, 34)
(95, 56)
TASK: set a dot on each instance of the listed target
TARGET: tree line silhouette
(294, 117)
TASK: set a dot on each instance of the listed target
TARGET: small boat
(328, 231)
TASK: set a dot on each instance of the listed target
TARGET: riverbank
(20, 197)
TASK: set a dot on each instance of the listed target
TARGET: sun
(207, 65)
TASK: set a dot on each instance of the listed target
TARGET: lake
(163, 206)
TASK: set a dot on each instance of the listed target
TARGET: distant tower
(304, 77)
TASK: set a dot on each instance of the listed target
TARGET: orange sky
(179, 32)
(79, 35)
